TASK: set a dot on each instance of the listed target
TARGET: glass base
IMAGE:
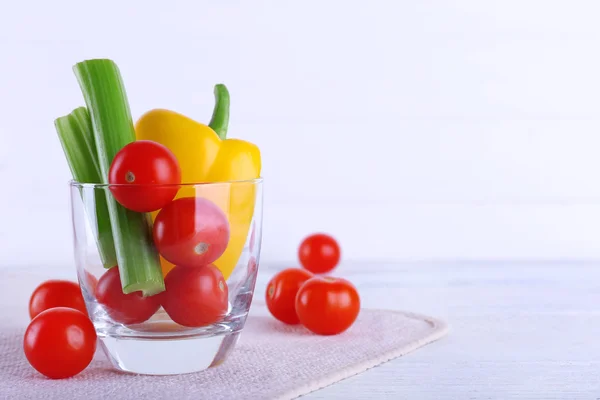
(161, 347)
(167, 356)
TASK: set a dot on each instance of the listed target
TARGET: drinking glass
(160, 345)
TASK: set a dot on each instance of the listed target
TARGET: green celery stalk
(106, 99)
(77, 139)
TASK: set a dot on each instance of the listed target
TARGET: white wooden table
(518, 330)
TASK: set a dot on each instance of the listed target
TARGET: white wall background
(408, 129)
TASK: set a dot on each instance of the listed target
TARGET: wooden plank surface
(518, 330)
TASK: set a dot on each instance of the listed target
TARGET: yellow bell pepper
(205, 155)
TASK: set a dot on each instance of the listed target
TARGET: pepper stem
(220, 117)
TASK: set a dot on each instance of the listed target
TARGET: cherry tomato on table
(135, 171)
(56, 293)
(60, 342)
(191, 231)
(319, 253)
(281, 294)
(327, 306)
(130, 308)
(195, 296)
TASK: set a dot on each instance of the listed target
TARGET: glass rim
(75, 184)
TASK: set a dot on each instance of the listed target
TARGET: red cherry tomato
(138, 167)
(327, 306)
(60, 342)
(195, 296)
(281, 294)
(130, 308)
(319, 253)
(56, 293)
(191, 231)
(91, 282)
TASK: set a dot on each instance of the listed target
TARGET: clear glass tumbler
(180, 325)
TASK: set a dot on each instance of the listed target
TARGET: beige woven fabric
(271, 360)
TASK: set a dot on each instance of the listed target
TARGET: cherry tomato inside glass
(140, 166)
(195, 296)
(191, 232)
(319, 253)
(281, 294)
(56, 293)
(130, 308)
(327, 306)
(60, 342)
(90, 281)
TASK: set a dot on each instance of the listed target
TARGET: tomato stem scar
(129, 177)
(201, 248)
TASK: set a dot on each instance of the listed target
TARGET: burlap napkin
(271, 360)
